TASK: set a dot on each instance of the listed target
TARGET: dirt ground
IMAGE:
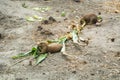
(99, 60)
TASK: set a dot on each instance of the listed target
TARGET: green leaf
(24, 5)
(35, 54)
(31, 19)
(41, 9)
(41, 58)
(33, 49)
(20, 55)
(63, 14)
(36, 8)
(38, 17)
(62, 39)
(45, 9)
(75, 36)
(25, 54)
(99, 18)
(52, 41)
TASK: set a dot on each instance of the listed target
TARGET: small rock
(51, 19)
(46, 32)
(39, 28)
(117, 11)
(92, 74)
(84, 62)
(43, 73)
(45, 22)
(19, 79)
(99, 13)
(57, 10)
(74, 72)
(76, 0)
(112, 39)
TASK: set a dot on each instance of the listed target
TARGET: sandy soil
(99, 60)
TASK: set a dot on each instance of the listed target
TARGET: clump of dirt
(49, 21)
(76, 0)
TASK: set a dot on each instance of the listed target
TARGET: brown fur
(89, 19)
(52, 48)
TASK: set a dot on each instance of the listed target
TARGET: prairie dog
(89, 19)
(44, 47)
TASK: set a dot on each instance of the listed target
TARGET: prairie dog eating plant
(44, 47)
(90, 19)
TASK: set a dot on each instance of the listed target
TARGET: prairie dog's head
(42, 45)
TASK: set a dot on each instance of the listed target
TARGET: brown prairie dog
(52, 48)
(89, 19)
